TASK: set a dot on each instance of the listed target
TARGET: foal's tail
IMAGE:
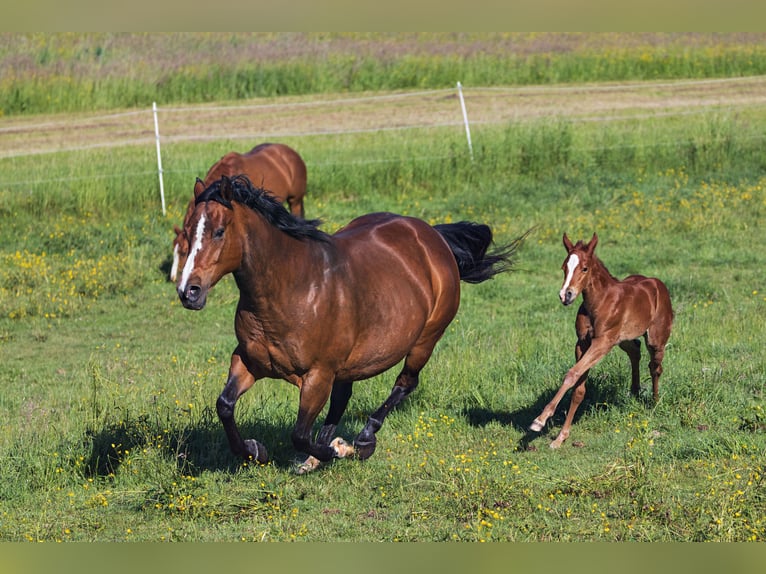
(469, 243)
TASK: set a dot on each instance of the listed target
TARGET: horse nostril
(193, 292)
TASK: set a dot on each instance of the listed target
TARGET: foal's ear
(567, 243)
(592, 243)
(199, 187)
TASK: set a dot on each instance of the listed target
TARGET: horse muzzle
(193, 297)
(567, 297)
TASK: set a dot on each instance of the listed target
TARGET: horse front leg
(598, 348)
(341, 394)
(240, 379)
(315, 389)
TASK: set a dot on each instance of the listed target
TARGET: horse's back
(658, 308)
(280, 166)
(400, 286)
(382, 244)
(277, 168)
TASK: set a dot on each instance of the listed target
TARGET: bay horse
(612, 313)
(276, 168)
(323, 311)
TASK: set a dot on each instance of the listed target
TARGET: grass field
(109, 429)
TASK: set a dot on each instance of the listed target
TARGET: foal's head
(576, 267)
(210, 244)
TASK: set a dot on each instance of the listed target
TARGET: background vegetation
(108, 424)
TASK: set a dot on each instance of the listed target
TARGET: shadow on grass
(603, 391)
(194, 448)
(198, 447)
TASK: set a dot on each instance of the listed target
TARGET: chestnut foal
(612, 313)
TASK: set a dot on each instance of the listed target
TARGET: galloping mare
(323, 311)
(276, 168)
(612, 313)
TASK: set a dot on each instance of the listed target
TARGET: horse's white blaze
(572, 264)
(196, 246)
(174, 268)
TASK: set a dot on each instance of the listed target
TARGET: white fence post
(159, 156)
(465, 119)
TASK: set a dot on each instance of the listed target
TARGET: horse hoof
(537, 425)
(364, 450)
(255, 451)
(308, 465)
(342, 448)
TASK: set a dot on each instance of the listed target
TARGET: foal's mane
(239, 188)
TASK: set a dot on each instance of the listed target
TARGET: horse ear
(226, 190)
(177, 230)
(593, 242)
(567, 243)
(199, 187)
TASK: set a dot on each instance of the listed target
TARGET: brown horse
(612, 313)
(274, 167)
(322, 311)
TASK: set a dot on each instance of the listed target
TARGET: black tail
(469, 243)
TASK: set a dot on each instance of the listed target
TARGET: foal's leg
(577, 394)
(633, 348)
(656, 354)
(598, 348)
(239, 380)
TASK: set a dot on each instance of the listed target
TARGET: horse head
(576, 266)
(213, 250)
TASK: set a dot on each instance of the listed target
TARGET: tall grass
(44, 73)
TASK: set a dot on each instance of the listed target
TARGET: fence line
(420, 122)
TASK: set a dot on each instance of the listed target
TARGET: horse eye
(218, 233)
(585, 269)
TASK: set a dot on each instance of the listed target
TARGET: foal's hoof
(255, 451)
(537, 425)
(364, 450)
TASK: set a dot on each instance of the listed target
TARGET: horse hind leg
(365, 442)
(656, 338)
(656, 354)
(633, 349)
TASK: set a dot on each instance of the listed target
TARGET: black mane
(239, 188)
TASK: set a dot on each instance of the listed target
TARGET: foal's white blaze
(174, 268)
(572, 264)
(196, 246)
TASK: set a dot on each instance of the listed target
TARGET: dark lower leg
(633, 349)
(247, 449)
(365, 441)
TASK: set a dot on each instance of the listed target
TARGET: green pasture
(109, 430)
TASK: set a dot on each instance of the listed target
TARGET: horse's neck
(600, 280)
(273, 263)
